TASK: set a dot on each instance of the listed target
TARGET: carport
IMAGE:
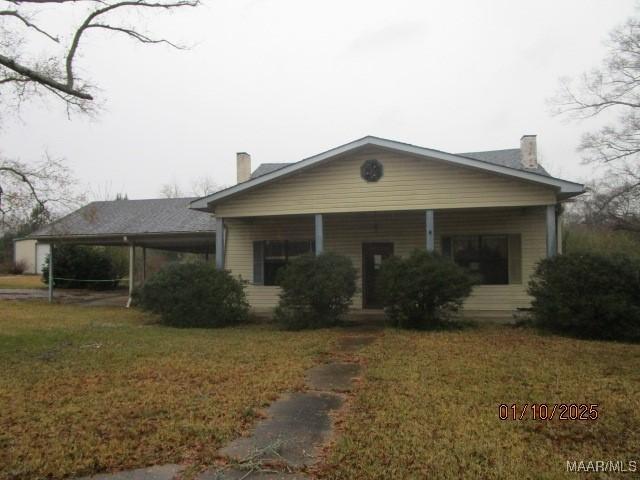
(163, 224)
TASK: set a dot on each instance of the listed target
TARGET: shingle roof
(507, 158)
(131, 217)
(265, 168)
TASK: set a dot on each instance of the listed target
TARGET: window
(485, 257)
(275, 257)
(269, 256)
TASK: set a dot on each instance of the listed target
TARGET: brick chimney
(243, 166)
(529, 151)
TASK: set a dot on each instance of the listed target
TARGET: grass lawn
(86, 390)
(21, 281)
(428, 407)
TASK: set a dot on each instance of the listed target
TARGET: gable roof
(500, 162)
(130, 217)
(507, 158)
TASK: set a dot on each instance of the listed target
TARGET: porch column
(219, 243)
(319, 234)
(132, 268)
(51, 273)
(429, 231)
(144, 265)
(552, 232)
(560, 230)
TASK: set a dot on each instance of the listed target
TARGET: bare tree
(46, 185)
(56, 74)
(614, 201)
(23, 74)
(104, 192)
(171, 190)
(203, 186)
(199, 187)
(614, 88)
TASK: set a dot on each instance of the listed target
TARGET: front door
(372, 256)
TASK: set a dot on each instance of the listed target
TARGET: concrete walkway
(296, 425)
(158, 472)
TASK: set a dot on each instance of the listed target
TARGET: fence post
(51, 273)
(132, 262)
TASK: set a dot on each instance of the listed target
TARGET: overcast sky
(284, 80)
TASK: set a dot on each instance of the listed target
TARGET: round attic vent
(371, 170)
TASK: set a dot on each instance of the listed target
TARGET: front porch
(520, 237)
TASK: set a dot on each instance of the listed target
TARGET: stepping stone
(246, 475)
(297, 423)
(354, 343)
(337, 377)
(157, 472)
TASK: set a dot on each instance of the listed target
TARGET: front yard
(429, 407)
(85, 390)
(97, 389)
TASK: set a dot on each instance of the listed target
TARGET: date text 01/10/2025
(544, 411)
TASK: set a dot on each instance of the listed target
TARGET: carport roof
(159, 223)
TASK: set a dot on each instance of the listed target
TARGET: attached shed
(164, 224)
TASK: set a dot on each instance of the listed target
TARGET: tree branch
(43, 79)
(56, 75)
(17, 15)
(101, 11)
(15, 79)
(137, 35)
(25, 180)
(18, 2)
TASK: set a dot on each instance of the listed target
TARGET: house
(496, 213)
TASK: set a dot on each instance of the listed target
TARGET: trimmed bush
(422, 290)
(316, 291)
(194, 295)
(588, 295)
(82, 263)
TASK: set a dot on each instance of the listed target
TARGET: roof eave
(566, 194)
(116, 236)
